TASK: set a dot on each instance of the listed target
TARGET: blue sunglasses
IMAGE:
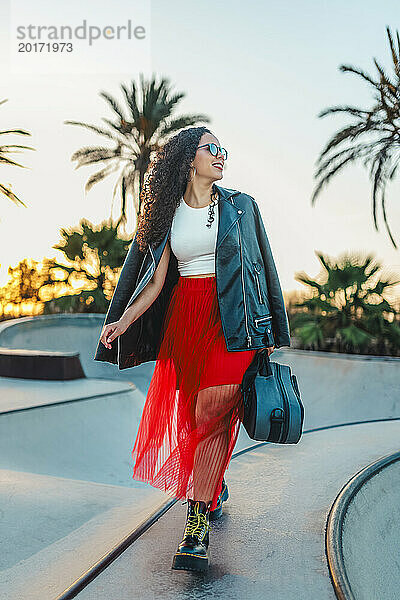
(213, 148)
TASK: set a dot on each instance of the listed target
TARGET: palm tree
(373, 136)
(136, 132)
(84, 281)
(5, 190)
(348, 307)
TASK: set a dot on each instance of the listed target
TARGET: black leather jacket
(251, 304)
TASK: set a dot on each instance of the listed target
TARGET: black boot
(224, 495)
(192, 553)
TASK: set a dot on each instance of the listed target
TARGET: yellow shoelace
(196, 522)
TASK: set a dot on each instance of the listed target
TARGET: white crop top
(191, 241)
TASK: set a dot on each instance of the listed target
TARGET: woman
(193, 409)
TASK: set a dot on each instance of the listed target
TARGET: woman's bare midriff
(202, 275)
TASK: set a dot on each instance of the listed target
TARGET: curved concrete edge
(97, 317)
(73, 590)
(341, 355)
(335, 521)
(18, 395)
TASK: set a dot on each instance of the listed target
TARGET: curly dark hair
(165, 183)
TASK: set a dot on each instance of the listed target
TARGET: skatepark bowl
(313, 520)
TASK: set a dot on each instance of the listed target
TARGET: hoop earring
(194, 173)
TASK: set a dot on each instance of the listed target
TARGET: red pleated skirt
(193, 409)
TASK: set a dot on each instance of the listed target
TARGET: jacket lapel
(227, 214)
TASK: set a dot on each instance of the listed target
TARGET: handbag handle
(259, 365)
(265, 368)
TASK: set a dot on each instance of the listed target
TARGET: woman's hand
(112, 331)
(270, 349)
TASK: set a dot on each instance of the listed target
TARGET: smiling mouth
(218, 166)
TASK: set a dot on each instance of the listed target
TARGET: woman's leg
(216, 417)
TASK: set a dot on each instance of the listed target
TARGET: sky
(262, 71)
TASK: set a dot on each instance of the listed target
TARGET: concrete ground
(270, 541)
(67, 498)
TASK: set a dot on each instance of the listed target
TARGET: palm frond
(351, 110)
(93, 128)
(385, 220)
(355, 71)
(352, 155)
(9, 162)
(99, 176)
(181, 122)
(11, 147)
(10, 195)
(86, 156)
(17, 131)
(395, 55)
(131, 100)
(113, 104)
(378, 128)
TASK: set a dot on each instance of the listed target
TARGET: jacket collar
(227, 213)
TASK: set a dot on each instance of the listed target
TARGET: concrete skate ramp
(63, 332)
(81, 429)
(66, 495)
(363, 533)
(337, 388)
(65, 451)
(344, 388)
(71, 333)
(269, 543)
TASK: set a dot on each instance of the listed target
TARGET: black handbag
(273, 410)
